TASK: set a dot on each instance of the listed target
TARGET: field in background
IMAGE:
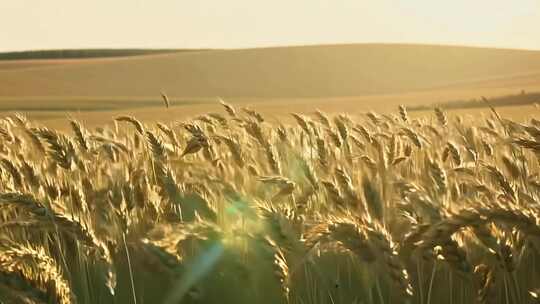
(275, 81)
(95, 113)
(288, 72)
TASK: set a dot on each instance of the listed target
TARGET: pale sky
(51, 24)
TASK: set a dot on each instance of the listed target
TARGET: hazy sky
(45, 24)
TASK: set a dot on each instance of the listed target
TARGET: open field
(99, 112)
(277, 111)
(224, 196)
(352, 78)
(234, 207)
(289, 72)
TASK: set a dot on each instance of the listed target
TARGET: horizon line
(275, 46)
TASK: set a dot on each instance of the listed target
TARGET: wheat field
(229, 207)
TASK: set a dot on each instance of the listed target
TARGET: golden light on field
(270, 152)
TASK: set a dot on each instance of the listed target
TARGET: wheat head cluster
(228, 207)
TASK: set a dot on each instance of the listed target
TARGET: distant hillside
(84, 53)
(284, 72)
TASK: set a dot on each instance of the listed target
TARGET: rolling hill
(274, 81)
(285, 72)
